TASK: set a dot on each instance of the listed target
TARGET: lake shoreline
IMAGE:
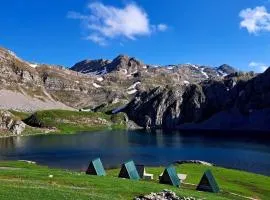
(203, 132)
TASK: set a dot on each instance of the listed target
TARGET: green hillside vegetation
(21, 180)
(64, 121)
(20, 115)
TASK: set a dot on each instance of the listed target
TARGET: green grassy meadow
(21, 180)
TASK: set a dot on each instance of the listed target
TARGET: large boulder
(18, 127)
(9, 123)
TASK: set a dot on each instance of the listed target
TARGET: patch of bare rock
(164, 195)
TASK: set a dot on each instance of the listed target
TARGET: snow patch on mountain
(132, 91)
(132, 73)
(33, 65)
(195, 66)
(12, 53)
(100, 79)
(221, 73)
(204, 73)
(96, 85)
(134, 85)
(186, 82)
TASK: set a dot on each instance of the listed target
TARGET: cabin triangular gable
(170, 177)
(208, 183)
(96, 168)
(129, 170)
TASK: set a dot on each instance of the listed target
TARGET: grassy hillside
(21, 180)
(64, 121)
(20, 115)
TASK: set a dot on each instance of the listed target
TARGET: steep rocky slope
(21, 86)
(239, 101)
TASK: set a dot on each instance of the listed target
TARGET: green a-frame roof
(96, 168)
(129, 171)
(170, 177)
(208, 183)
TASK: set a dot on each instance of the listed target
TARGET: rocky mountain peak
(226, 69)
(122, 57)
(125, 63)
(128, 66)
(122, 63)
(91, 66)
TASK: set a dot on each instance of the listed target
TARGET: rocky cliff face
(240, 95)
(13, 71)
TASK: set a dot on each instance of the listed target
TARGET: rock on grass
(164, 195)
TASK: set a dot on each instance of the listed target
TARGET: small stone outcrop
(164, 195)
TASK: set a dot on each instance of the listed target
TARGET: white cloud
(255, 20)
(109, 22)
(97, 39)
(162, 27)
(75, 15)
(258, 66)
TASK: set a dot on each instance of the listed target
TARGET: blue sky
(209, 32)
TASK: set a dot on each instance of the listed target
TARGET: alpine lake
(250, 152)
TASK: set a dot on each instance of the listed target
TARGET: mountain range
(173, 96)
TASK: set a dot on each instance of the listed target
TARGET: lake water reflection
(159, 148)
